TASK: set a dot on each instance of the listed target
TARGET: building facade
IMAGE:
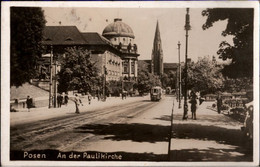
(122, 37)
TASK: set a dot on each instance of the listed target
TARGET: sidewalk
(212, 137)
(36, 114)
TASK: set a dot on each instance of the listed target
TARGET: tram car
(156, 93)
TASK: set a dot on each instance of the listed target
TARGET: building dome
(118, 29)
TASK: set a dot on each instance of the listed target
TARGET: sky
(143, 23)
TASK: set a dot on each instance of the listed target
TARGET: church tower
(157, 53)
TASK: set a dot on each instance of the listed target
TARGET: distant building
(170, 67)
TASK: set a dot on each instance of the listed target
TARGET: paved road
(132, 129)
(138, 131)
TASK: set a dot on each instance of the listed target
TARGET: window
(125, 67)
(115, 39)
(132, 67)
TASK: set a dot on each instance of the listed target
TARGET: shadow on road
(203, 132)
(135, 132)
(210, 138)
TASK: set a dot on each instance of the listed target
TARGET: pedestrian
(59, 100)
(122, 95)
(77, 102)
(89, 98)
(29, 103)
(125, 94)
(63, 98)
(193, 102)
(66, 99)
(219, 103)
(97, 94)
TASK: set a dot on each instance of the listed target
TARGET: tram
(156, 93)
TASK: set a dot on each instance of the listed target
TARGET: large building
(121, 35)
(114, 51)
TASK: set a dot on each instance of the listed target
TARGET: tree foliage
(238, 84)
(169, 79)
(205, 76)
(77, 71)
(240, 26)
(146, 80)
(27, 24)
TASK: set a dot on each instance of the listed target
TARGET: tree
(77, 71)
(238, 84)
(146, 80)
(27, 24)
(169, 79)
(205, 76)
(240, 26)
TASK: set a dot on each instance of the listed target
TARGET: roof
(62, 35)
(118, 29)
(170, 65)
(93, 38)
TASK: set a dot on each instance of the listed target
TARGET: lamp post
(50, 84)
(179, 46)
(187, 27)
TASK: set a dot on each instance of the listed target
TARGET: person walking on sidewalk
(29, 103)
(193, 102)
(77, 102)
(59, 100)
(219, 103)
(66, 99)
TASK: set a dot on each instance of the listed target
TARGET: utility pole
(187, 27)
(50, 84)
(55, 83)
(179, 46)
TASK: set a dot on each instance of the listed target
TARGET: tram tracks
(44, 129)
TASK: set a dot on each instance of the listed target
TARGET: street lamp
(50, 84)
(179, 46)
(187, 27)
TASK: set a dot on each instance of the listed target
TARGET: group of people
(62, 99)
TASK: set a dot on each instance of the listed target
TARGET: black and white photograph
(157, 83)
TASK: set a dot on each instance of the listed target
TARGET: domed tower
(122, 37)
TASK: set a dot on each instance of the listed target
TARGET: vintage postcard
(130, 83)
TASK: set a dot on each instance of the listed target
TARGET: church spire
(157, 53)
(157, 36)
